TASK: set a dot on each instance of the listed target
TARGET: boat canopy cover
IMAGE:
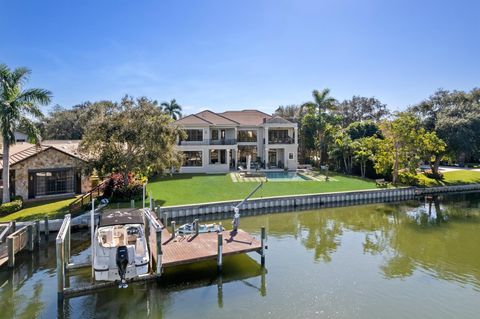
(113, 217)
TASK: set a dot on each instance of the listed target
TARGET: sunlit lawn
(202, 188)
(456, 177)
(39, 209)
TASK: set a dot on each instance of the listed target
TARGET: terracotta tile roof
(278, 120)
(192, 120)
(245, 117)
(206, 118)
(22, 151)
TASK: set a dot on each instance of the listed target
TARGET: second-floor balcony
(281, 140)
(210, 142)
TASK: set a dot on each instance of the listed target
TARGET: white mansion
(220, 142)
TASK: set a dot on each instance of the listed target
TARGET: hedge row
(11, 207)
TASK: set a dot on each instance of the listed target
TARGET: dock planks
(190, 248)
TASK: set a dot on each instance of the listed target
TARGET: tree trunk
(125, 178)
(395, 168)
(6, 171)
(436, 165)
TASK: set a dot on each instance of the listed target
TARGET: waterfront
(369, 261)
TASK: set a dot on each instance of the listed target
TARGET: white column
(296, 135)
(265, 158)
(228, 158)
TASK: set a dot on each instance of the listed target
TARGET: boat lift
(164, 250)
(236, 209)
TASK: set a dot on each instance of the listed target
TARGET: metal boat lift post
(236, 223)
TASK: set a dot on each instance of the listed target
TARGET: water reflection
(440, 239)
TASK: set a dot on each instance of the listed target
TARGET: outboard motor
(122, 263)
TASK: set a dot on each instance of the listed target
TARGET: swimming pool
(285, 177)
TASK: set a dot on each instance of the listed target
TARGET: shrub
(11, 207)
(430, 174)
(408, 178)
(117, 191)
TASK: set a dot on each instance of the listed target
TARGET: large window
(192, 158)
(247, 136)
(279, 137)
(245, 150)
(194, 135)
(54, 182)
(218, 156)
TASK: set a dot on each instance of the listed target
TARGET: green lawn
(37, 210)
(451, 178)
(201, 188)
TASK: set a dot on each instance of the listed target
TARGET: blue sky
(243, 54)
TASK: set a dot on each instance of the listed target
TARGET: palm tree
(173, 109)
(322, 101)
(318, 110)
(18, 107)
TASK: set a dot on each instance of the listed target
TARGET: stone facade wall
(50, 158)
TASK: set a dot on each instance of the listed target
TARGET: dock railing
(63, 254)
(85, 199)
(20, 239)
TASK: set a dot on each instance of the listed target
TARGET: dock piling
(60, 268)
(196, 226)
(159, 253)
(14, 226)
(173, 228)
(165, 219)
(219, 253)
(152, 201)
(30, 240)
(11, 251)
(263, 240)
(45, 226)
(37, 232)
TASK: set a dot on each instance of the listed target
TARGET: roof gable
(278, 120)
(247, 117)
(23, 153)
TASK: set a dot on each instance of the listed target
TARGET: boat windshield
(119, 235)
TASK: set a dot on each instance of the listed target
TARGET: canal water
(397, 260)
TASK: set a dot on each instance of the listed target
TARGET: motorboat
(120, 246)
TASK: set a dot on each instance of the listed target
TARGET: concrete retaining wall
(291, 202)
(447, 189)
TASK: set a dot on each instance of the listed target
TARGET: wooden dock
(190, 248)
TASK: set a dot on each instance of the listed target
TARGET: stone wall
(51, 158)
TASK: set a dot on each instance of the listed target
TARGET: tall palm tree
(18, 107)
(173, 109)
(322, 101)
(318, 110)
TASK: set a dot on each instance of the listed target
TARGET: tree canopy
(135, 137)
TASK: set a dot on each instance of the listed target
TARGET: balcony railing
(210, 142)
(284, 140)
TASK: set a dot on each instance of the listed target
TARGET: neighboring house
(20, 137)
(219, 142)
(48, 170)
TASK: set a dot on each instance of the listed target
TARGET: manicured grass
(201, 188)
(37, 210)
(457, 177)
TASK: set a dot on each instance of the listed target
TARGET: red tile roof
(245, 117)
(22, 151)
